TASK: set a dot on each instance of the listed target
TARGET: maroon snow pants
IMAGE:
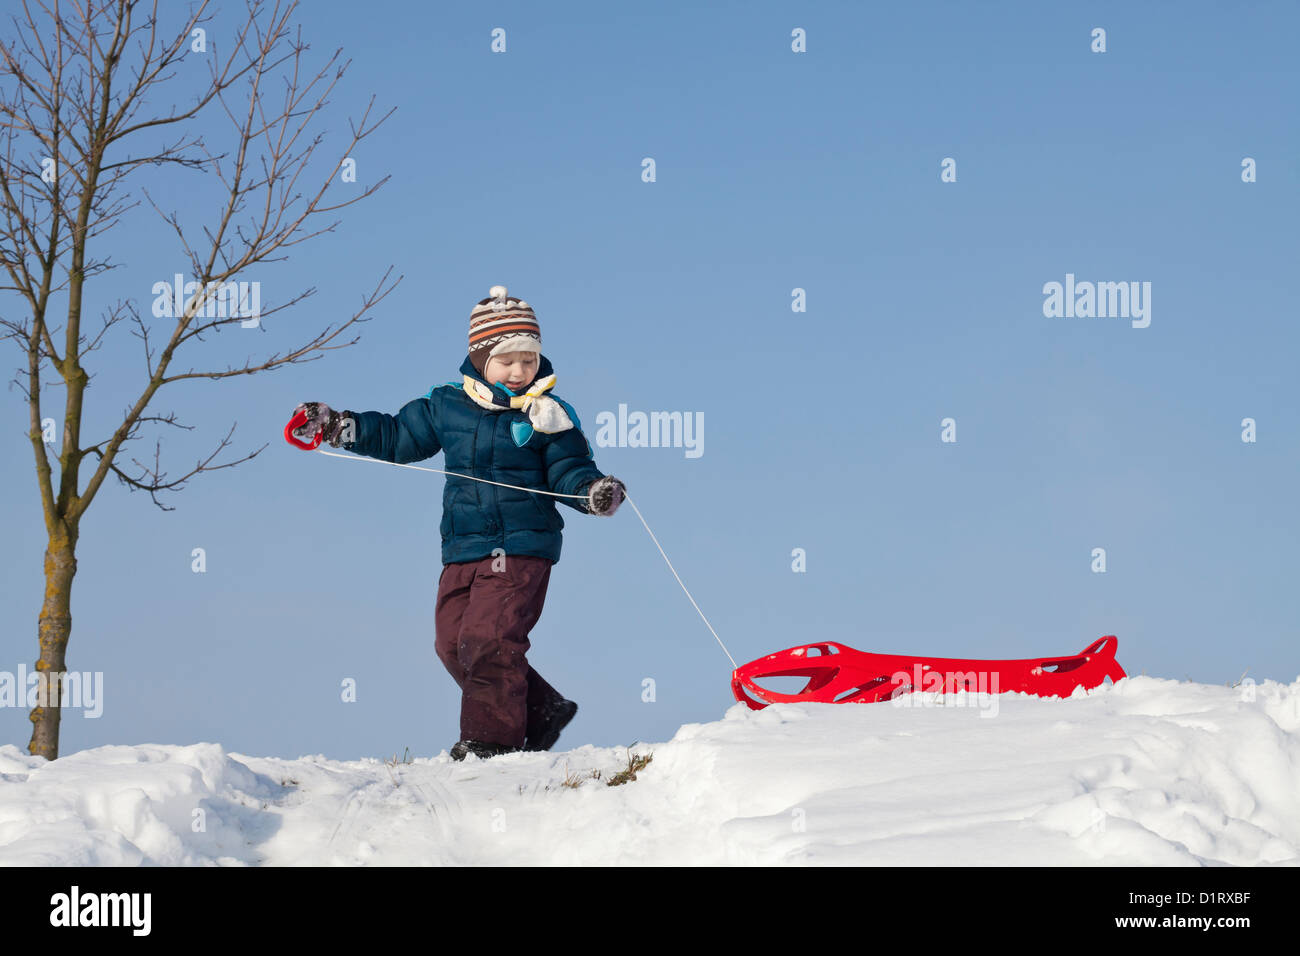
(482, 620)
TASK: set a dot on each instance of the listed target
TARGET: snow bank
(1145, 772)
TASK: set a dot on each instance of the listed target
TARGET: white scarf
(545, 413)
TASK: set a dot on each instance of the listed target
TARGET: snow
(1148, 771)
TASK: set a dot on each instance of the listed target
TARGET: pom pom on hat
(498, 294)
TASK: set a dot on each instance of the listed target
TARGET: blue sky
(775, 171)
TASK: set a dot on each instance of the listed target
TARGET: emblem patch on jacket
(521, 432)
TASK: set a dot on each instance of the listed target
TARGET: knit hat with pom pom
(501, 324)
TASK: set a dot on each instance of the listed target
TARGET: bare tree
(77, 129)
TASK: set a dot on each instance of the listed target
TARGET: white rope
(334, 454)
(539, 491)
(679, 581)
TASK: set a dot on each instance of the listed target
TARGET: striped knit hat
(499, 324)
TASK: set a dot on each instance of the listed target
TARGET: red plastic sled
(841, 675)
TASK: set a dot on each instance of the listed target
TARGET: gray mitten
(604, 495)
(320, 418)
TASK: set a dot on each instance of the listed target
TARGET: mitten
(604, 495)
(320, 418)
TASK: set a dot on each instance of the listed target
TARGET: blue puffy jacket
(497, 445)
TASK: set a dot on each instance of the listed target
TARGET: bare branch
(79, 130)
(153, 480)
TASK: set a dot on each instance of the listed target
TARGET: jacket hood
(543, 369)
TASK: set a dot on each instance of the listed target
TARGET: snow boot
(553, 720)
(479, 749)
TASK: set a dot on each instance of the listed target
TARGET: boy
(500, 423)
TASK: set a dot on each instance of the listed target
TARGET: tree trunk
(53, 627)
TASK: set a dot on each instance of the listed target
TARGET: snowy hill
(1149, 771)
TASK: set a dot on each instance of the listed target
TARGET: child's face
(515, 369)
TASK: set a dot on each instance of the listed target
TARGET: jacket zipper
(473, 460)
(492, 452)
